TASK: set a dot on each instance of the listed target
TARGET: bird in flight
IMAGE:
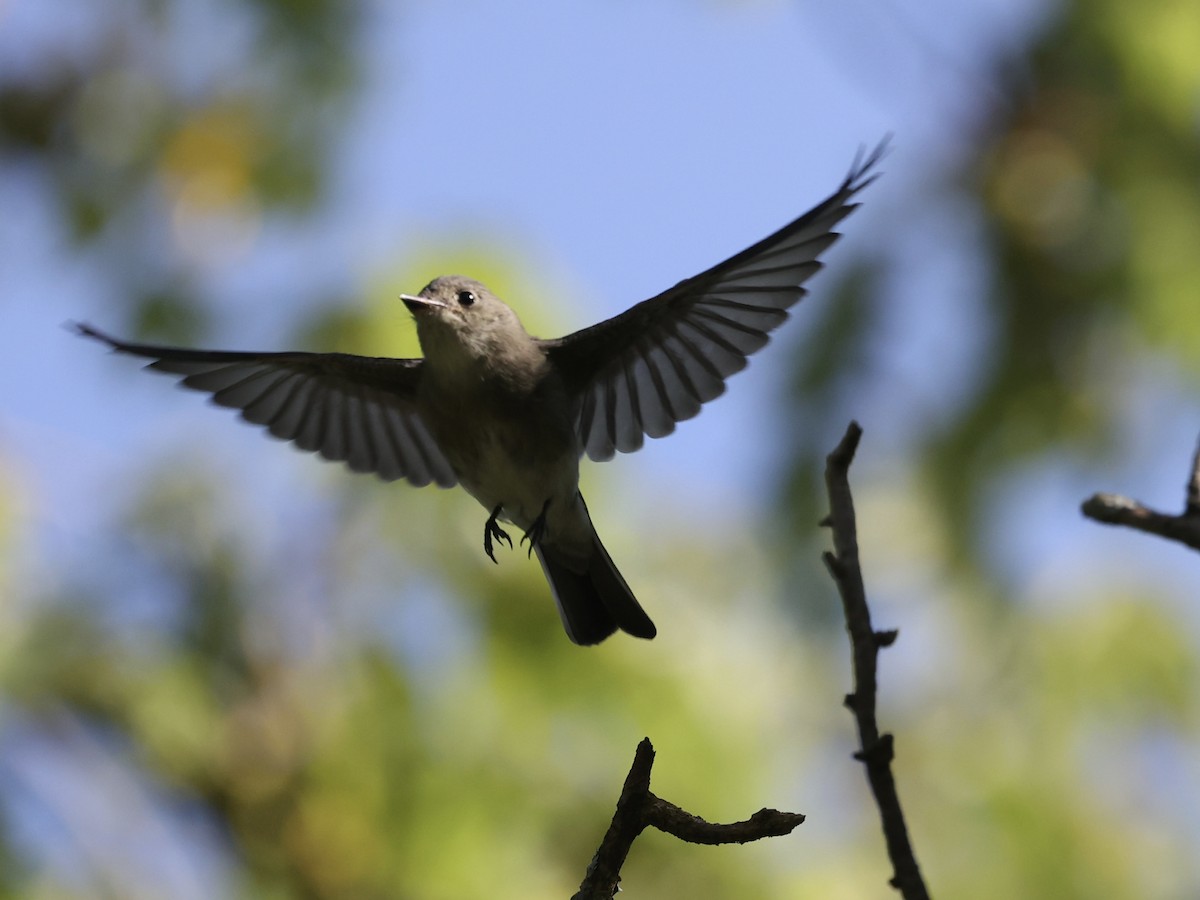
(508, 415)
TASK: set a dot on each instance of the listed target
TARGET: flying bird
(508, 416)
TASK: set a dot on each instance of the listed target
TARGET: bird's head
(457, 315)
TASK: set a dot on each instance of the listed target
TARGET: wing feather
(354, 409)
(641, 372)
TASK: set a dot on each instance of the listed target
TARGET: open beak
(419, 304)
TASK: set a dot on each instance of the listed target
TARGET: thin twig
(1113, 509)
(875, 750)
(638, 808)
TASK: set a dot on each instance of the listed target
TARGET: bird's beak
(417, 304)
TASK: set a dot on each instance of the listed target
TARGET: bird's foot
(493, 530)
(537, 529)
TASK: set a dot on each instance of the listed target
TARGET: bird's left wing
(357, 409)
(641, 372)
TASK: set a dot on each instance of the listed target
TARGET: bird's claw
(491, 530)
(537, 529)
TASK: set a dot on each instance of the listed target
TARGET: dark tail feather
(596, 602)
(584, 614)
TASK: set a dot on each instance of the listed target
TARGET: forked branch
(638, 808)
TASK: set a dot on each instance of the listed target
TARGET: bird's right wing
(357, 409)
(641, 372)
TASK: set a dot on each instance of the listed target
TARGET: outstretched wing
(356, 409)
(654, 365)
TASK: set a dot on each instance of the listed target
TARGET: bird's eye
(465, 298)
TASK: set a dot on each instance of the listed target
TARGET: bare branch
(1113, 509)
(876, 750)
(670, 818)
(1193, 486)
(638, 808)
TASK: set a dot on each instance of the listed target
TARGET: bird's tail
(593, 599)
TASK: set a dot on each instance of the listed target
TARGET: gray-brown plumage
(508, 415)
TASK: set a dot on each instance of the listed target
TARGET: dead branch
(1113, 509)
(875, 749)
(638, 808)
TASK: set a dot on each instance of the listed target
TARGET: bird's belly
(503, 466)
(521, 487)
